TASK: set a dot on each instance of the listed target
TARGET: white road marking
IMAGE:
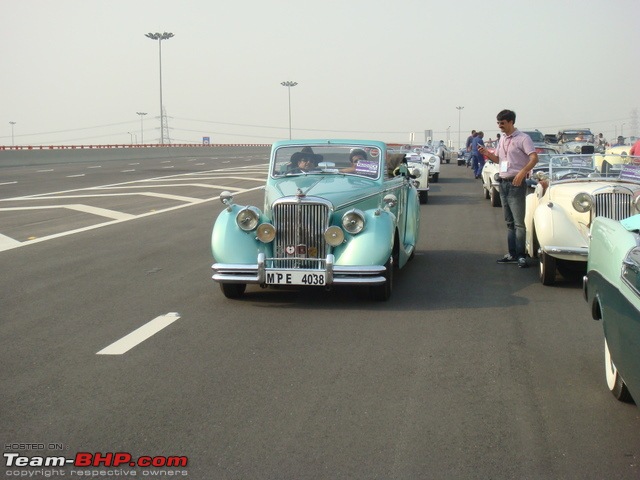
(8, 183)
(103, 212)
(78, 175)
(127, 171)
(7, 243)
(113, 222)
(96, 166)
(43, 171)
(139, 335)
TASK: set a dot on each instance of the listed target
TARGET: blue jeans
(513, 205)
(478, 163)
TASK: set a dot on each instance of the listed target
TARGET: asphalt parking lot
(113, 338)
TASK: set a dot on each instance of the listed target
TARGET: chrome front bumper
(554, 250)
(334, 274)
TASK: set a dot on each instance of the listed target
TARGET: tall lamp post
(289, 84)
(142, 114)
(459, 117)
(12, 141)
(160, 37)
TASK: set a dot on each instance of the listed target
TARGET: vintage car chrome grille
(615, 206)
(300, 228)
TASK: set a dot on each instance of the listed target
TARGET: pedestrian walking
(477, 157)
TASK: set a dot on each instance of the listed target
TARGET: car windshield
(594, 167)
(577, 136)
(536, 136)
(360, 160)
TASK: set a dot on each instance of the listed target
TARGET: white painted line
(96, 166)
(169, 166)
(139, 335)
(131, 164)
(7, 243)
(168, 196)
(43, 171)
(103, 212)
(8, 183)
(127, 171)
(73, 176)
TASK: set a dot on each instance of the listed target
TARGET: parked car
(462, 156)
(550, 138)
(433, 160)
(612, 290)
(442, 151)
(491, 183)
(576, 141)
(536, 135)
(332, 222)
(566, 200)
(416, 164)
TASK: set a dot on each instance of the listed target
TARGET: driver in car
(304, 161)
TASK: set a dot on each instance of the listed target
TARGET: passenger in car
(356, 155)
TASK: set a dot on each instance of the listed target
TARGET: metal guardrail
(107, 147)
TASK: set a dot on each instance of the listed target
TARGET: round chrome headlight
(636, 202)
(353, 221)
(247, 219)
(334, 236)
(582, 202)
(266, 232)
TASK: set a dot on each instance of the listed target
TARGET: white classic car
(576, 141)
(429, 156)
(566, 200)
(419, 169)
(490, 183)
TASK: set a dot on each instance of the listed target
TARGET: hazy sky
(77, 71)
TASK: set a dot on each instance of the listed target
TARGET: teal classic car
(612, 290)
(336, 212)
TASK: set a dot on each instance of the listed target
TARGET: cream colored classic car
(566, 200)
(490, 183)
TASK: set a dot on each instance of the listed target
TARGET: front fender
(230, 244)
(555, 228)
(372, 246)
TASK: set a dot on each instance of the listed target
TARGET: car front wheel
(614, 380)
(233, 290)
(547, 269)
(495, 198)
(382, 293)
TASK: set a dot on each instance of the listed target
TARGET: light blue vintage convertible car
(612, 290)
(336, 212)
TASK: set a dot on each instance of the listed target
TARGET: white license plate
(292, 277)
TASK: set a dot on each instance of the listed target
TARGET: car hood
(341, 190)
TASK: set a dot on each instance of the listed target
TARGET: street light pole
(160, 37)
(289, 84)
(142, 114)
(12, 141)
(459, 117)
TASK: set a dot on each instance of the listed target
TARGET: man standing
(516, 156)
